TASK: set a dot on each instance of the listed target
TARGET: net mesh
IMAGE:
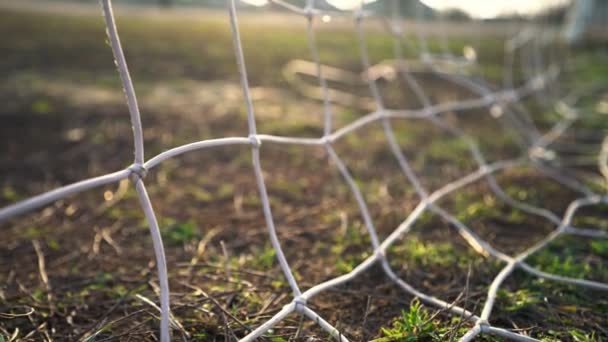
(541, 68)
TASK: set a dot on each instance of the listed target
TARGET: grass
(61, 94)
(415, 324)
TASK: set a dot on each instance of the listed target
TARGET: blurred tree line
(407, 8)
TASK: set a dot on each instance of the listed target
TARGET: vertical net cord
(125, 77)
(139, 171)
(443, 37)
(510, 48)
(425, 54)
(314, 53)
(255, 151)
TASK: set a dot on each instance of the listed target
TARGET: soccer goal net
(536, 76)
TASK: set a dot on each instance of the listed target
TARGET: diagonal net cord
(430, 112)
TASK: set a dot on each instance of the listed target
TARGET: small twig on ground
(219, 306)
(226, 259)
(464, 305)
(101, 322)
(43, 275)
(172, 320)
(201, 247)
(300, 327)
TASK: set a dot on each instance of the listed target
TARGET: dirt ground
(85, 264)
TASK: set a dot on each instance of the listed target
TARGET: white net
(533, 44)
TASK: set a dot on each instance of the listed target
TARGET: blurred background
(63, 118)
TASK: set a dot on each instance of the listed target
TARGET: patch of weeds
(225, 191)
(427, 254)
(53, 244)
(454, 150)
(116, 212)
(288, 188)
(563, 308)
(529, 194)
(101, 281)
(201, 336)
(39, 295)
(273, 337)
(468, 208)
(518, 300)
(426, 218)
(550, 336)
(594, 220)
(34, 232)
(10, 194)
(479, 209)
(278, 339)
(580, 336)
(413, 325)
(253, 301)
(418, 324)
(348, 115)
(599, 247)
(253, 199)
(574, 257)
(200, 194)
(42, 106)
(264, 257)
(279, 284)
(347, 264)
(179, 233)
(347, 249)
(377, 192)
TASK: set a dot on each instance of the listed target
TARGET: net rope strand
(138, 171)
(537, 86)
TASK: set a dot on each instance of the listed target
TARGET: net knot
(489, 99)
(380, 253)
(310, 12)
(541, 153)
(428, 112)
(509, 95)
(300, 303)
(396, 30)
(327, 140)
(484, 325)
(255, 141)
(484, 169)
(426, 58)
(138, 171)
(359, 15)
(538, 83)
(566, 111)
